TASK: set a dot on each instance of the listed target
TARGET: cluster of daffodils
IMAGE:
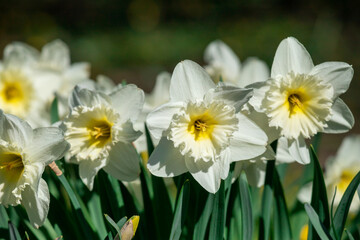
(201, 120)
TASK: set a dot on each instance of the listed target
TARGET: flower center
(99, 131)
(203, 130)
(345, 180)
(16, 93)
(298, 104)
(11, 166)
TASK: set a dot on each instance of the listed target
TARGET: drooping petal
(48, 145)
(291, 56)
(36, 203)
(341, 120)
(159, 119)
(249, 141)
(338, 74)
(123, 163)
(15, 130)
(253, 70)
(189, 82)
(55, 55)
(166, 160)
(89, 169)
(128, 101)
(233, 96)
(255, 173)
(207, 174)
(290, 150)
(86, 97)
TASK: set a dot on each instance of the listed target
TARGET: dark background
(135, 40)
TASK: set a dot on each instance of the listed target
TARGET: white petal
(19, 54)
(234, 96)
(249, 141)
(123, 162)
(159, 120)
(260, 89)
(56, 55)
(253, 70)
(304, 195)
(338, 74)
(128, 101)
(219, 54)
(78, 72)
(292, 150)
(105, 84)
(341, 120)
(48, 145)
(189, 82)
(255, 173)
(291, 55)
(161, 92)
(88, 170)
(86, 97)
(207, 174)
(36, 203)
(166, 161)
(15, 130)
(128, 134)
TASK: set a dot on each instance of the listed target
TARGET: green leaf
(316, 223)
(13, 232)
(267, 200)
(54, 112)
(217, 223)
(149, 143)
(180, 211)
(113, 224)
(75, 202)
(95, 210)
(246, 208)
(319, 199)
(350, 236)
(4, 218)
(282, 228)
(201, 225)
(344, 206)
(121, 222)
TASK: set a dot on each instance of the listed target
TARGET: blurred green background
(135, 40)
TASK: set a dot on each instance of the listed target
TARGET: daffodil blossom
(301, 99)
(100, 131)
(339, 171)
(201, 130)
(223, 62)
(24, 153)
(24, 88)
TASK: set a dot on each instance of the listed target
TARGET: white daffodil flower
(301, 99)
(24, 153)
(223, 62)
(339, 171)
(24, 88)
(55, 57)
(201, 130)
(100, 131)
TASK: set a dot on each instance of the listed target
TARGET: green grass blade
(217, 223)
(201, 225)
(113, 223)
(319, 199)
(180, 212)
(316, 223)
(267, 200)
(13, 232)
(246, 208)
(282, 228)
(344, 206)
(350, 236)
(54, 112)
(75, 202)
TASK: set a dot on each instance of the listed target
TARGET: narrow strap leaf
(180, 212)
(344, 206)
(267, 200)
(201, 225)
(13, 232)
(316, 223)
(246, 208)
(217, 223)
